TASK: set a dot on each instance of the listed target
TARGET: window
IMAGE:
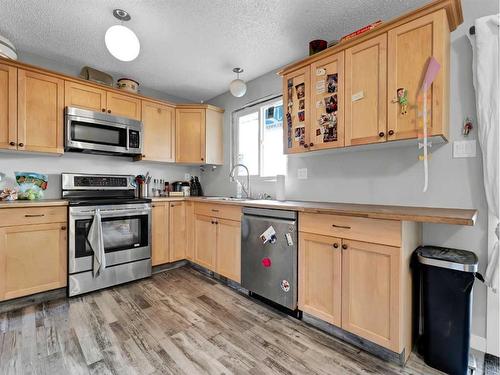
(258, 139)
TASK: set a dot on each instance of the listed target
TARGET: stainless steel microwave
(101, 133)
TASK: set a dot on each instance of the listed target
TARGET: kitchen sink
(225, 198)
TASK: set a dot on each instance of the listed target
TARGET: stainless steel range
(126, 231)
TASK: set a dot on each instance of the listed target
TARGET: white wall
(392, 176)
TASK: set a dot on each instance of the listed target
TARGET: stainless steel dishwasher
(269, 254)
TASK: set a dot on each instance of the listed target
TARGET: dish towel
(486, 84)
(96, 242)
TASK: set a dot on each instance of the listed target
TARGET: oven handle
(111, 213)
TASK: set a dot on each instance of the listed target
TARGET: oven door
(90, 134)
(126, 230)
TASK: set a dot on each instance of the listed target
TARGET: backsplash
(53, 166)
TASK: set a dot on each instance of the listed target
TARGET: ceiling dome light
(238, 87)
(120, 41)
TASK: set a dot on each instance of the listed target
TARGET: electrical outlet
(464, 149)
(187, 176)
(302, 173)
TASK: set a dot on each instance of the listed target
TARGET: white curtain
(486, 83)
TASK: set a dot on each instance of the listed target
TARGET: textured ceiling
(188, 47)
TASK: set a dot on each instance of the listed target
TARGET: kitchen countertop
(28, 203)
(454, 216)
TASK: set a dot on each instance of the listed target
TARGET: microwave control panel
(134, 140)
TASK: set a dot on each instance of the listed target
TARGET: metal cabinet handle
(104, 109)
(341, 226)
(306, 145)
(344, 246)
(63, 228)
(311, 144)
(109, 110)
(34, 215)
(12, 143)
(391, 132)
(21, 144)
(381, 134)
(335, 245)
(214, 210)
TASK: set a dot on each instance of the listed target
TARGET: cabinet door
(32, 259)
(177, 229)
(189, 230)
(190, 135)
(84, 96)
(205, 241)
(40, 112)
(327, 103)
(296, 94)
(320, 265)
(8, 107)
(123, 105)
(214, 149)
(160, 235)
(370, 292)
(229, 249)
(159, 132)
(409, 48)
(366, 92)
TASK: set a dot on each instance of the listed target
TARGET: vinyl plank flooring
(177, 322)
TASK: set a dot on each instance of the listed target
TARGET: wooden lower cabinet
(189, 230)
(205, 241)
(320, 270)
(33, 258)
(370, 292)
(228, 259)
(160, 233)
(177, 229)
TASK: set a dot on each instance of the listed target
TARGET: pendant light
(238, 87)
(120, 41)
(7, 49)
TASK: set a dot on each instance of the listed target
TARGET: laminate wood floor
(176, 322)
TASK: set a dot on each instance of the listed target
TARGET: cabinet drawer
(386, 232)
(32, 215)
(222, 211)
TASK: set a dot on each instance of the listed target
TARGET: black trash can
(446, 277)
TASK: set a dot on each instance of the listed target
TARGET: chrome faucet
(233, 178)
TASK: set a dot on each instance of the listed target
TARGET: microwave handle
(128, 137)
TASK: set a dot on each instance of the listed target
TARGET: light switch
(464, 149)
(302, 173)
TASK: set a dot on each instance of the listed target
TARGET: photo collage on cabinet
(326, 95)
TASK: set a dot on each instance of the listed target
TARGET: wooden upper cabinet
(228, 259)
(296, 105)
(326, 126)
(8, 107)
(33, 258)
(84, 96)
(409, 48)
(320, 270)
(214, 149)
(190, 135)
(177, 229)
(159, 132)
(40, 112)
(123, 105)
(160, 233)
(366, 92)
(370, 292)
